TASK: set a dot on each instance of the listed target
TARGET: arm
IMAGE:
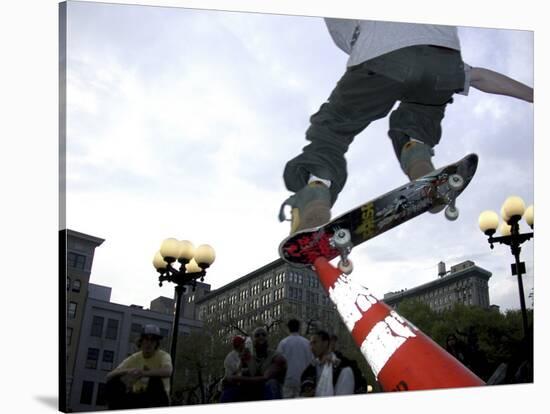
(165, 369)
(493, 82)
(308, 381)
(277, 368)
(122, 369)
(117, 372)
(162, 372)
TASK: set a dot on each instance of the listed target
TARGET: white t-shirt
(232, 364)
(363, 40)
(297, 352)
(345, 384)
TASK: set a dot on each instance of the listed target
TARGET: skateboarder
(420, 66)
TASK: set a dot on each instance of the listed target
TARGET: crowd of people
(253, 370)
(297, 367)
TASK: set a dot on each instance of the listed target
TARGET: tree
(489, 337)
(198, 365)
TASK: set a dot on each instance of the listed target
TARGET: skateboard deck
(438, 188)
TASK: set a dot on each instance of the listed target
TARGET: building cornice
(82, 236)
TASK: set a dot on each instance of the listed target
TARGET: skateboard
(434, 191)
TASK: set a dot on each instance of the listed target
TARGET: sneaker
(416, 159)
(416, 162)
(310, 207)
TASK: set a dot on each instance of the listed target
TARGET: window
(107, 361)
(112, 329)
(267, 283)
(97, 326)
(295, 293)
(277, 311)
(312, 281)
(100, 399)
(69, 336)
(68, 283)
(78, 261)
(87, 392)
(91, 358)
(72, 310)
(280, 278)
(293, 277)
(76, 285)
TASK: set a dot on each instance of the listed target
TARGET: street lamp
(512, 211)
(193, 265)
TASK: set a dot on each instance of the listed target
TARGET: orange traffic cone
(399, 354)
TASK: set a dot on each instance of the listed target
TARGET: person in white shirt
(327, 375)
(295, 348)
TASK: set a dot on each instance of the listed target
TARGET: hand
(130, 376)
(134, 374)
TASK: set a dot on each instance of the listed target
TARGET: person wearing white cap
(142, 379)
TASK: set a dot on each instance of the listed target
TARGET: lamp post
(512, 211)
(193, 264)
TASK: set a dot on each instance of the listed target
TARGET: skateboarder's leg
(360, 97)
(414, 130)
(415, 126)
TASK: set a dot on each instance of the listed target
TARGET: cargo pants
(422, 78)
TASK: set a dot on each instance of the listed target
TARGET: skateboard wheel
(342, 238)
(456, 182)
(451, 213)
(345, 266)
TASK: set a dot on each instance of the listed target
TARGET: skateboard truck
(456, 183)
(341, 241)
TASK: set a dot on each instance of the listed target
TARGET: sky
(179, 124)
